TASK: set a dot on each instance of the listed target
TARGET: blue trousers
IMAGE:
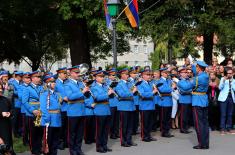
(200, 116)
(226, 112)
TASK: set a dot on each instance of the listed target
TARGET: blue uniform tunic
(30, 98)
(126, 100)
(145, 90)
(50, 111)
(131, 83)
(60, 88)
(101, 98)
(73, 91)
(113, 101)
(185, 89)
(200, 84)
(16, 85)
(20, 94)
(165, 88)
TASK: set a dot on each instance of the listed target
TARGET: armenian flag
(131, 11)
(107, 15)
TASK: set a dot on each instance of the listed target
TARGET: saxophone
(37, 121)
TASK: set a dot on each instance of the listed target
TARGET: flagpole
(123, 10)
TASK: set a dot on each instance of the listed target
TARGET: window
(146, 63)
(59, 63)
(136, 63)
(136, 48)
(145, 49)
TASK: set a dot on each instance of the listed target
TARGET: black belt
(125, 99)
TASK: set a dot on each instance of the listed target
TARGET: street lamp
(113, 8)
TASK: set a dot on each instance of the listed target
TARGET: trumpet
(38, 119)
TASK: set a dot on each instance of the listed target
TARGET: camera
(4, 148)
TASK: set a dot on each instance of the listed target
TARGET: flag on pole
(107, 15)
(131, 11)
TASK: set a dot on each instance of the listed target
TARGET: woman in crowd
(5, 121)
(213, 92)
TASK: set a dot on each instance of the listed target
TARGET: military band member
(102, 111)
(50, 106)
(76, 111)
(200, 105)
(165, 102)
(185, 99)
(89, 131)
(132, 80)
(25, 128)
(156, 115)
(16, 82)
(60, 88)
(30, 99)
(146, 105)
(126, 107)
(113, 102)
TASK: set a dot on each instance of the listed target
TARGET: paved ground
(179, 145)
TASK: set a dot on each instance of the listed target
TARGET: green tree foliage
(31, 29)
(183, 20)
(93, 40)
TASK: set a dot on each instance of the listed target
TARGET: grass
(18, 145)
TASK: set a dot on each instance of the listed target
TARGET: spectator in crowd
(213, 93)
(229, 63)
(220, 72)
(215, 64)
(186, 62)
(5, 121)
(226, 98)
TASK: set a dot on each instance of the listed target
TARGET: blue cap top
(145, 70)
(163, 69)
(61, 70)
(3, 73)
(18, 73)
(112, 71)
(123, 70)
(74, 69)
(202, 64)
(35, 73)
(99, 73)
(49, 78)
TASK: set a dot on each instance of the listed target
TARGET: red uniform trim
(181, 119)
(197, 125)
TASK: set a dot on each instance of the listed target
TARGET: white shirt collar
(74, 80)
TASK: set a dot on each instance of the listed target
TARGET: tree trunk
(208, 47)
(35, 65)
(79, 41)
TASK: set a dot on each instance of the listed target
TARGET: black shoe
(201, 147)
(81, 153)
(152, 139)
(108, 150)
(125, 145)
(185, 131)
(113, 137)
(100, 150)
(146, 140)
(167, 135)
(88, 142)
(117, 136)
(135, 133)
(61, 146)
(132, 144)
